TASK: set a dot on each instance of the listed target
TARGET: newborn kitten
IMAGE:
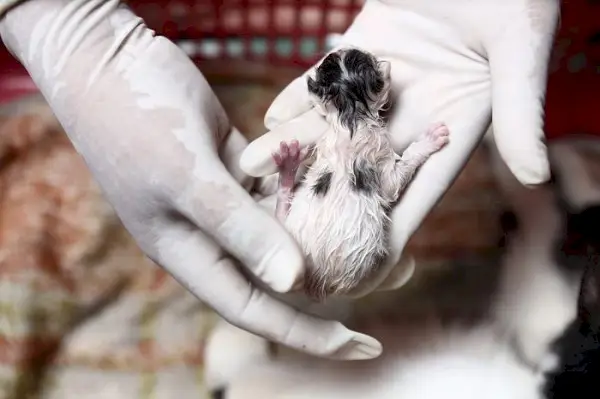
(339, 214)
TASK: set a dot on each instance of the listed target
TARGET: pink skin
(288, 160)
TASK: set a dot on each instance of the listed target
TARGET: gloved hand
(159, 143)
(451, 61)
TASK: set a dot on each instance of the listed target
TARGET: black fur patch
(321, 186)
(349, 90)
(218, 394)
(508, 224)
(578, 374)
(378, 260)
(580, 236)
(579, 243)
(366, 177)
(579, 346)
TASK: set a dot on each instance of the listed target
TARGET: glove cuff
(6, 5)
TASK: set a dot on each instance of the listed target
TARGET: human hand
(455, 62)
(159, 144)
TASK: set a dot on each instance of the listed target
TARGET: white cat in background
(504, 357)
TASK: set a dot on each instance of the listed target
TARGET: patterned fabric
(83, 314)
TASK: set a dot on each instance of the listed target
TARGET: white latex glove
(452, 61)
(159, 143)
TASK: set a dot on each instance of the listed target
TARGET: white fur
(228, 352)
(344, 232)
(435, 364)
(536, 298)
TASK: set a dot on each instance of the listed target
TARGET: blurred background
(84, 314)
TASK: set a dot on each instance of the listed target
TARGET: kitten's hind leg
(288, 160)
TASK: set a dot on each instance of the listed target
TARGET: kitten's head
(352, 84)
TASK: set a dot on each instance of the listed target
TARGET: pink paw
(436, 137)
(289, 157)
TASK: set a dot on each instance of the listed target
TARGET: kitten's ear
(316, 94)
(313, 87)
(385, 67)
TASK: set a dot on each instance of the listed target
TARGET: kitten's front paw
(289, 157)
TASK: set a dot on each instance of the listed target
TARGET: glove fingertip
(527, 162)
(254, 161)
(293, 101)
(518, 99)
(307, 128)
(535, 175)
(283, 270)
(400, 275)
(363, 347)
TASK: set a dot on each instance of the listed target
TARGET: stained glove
(160, 145)
(456, 62)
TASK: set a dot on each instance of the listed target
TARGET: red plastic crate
(14, 80)
(230, 30)
(264, 31)
(206, 29)
(283, 32)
